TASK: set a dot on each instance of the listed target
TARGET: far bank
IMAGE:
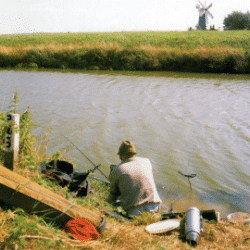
(190, 51)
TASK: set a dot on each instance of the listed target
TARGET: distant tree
(237, 21)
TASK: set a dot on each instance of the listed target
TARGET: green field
(187, 39)
(188, 51)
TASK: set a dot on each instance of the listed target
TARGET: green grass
(188, 39)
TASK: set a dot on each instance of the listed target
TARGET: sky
(33, 16)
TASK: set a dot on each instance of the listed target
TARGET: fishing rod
(95, 166)
(96, 178)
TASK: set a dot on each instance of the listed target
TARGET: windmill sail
(203, 14)
(209, 13)
(209, 6)
(201, 4)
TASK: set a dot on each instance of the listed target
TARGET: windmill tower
(203, 14)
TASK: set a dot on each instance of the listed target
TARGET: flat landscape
(173, 39)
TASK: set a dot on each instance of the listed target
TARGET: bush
(32, 65)
(237, 21)
(77, 60)
(95, 58)
(3, 129)
(247, 56)
(8, 60)
(129, 59)
(26, 139)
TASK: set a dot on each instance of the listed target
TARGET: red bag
(81, 229)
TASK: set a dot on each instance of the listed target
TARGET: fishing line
(96, 167)
(173, 201)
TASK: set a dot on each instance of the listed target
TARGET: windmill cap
(126, 147)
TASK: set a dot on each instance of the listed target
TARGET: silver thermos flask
(194, 225)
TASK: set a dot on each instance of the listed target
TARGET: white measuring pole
(12, 140)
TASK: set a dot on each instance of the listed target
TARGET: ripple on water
(173, 121)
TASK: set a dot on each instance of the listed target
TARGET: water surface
(181, 124)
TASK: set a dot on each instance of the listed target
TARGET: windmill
(203, 14)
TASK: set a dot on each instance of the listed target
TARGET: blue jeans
(147, 207)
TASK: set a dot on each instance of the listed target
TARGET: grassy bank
(19, 230)
(191, 51)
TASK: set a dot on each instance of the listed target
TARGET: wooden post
(12, 141)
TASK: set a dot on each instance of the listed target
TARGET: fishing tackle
(95, 166)
(185, 175)
(188, 176)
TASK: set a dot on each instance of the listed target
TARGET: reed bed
(196, 51)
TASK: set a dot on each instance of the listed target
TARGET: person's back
(132, 181)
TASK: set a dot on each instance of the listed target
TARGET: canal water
(191, 125)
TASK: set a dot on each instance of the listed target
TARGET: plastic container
(239, 217)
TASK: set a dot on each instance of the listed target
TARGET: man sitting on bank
(132, 182)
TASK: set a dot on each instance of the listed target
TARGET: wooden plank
(17, 191)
